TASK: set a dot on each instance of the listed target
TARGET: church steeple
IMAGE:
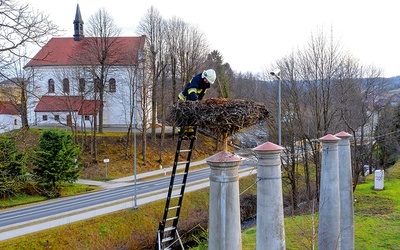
(78, 25)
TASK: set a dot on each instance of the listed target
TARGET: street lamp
(276, 73)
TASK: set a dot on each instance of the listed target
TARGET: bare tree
(144, 87)
(135, 77)
(360, 86)
(20, 80)
(318, 64)
(153, 26)
(163, 110)
(175, 28)
(324, 90)
(102, 49)
(294, 123)
(20, 27)
(192, 53)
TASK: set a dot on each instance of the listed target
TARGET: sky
(251, 35)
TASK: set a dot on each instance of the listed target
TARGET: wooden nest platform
(221, 116)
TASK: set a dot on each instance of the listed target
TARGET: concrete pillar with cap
(346, 192)
(224, 229)
(329, 198)
(270, 219)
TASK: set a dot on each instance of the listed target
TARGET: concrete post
(224, 229)
(329, 198)
(346, 192)
(270, 220)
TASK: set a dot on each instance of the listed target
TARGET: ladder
(167, 230)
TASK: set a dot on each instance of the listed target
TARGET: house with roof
(9, 117)
(69, 85)
(66, 110)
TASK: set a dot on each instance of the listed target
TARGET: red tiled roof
(89, 107)
(59, 103)
(8, 108)
(63, 51)
(67, 104)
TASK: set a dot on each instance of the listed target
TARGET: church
(84, 81)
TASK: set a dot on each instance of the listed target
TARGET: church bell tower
(78, 25)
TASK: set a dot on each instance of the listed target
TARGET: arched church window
(82, 84)
(97, 85)
(50, 85)
(112, 85)
(66, 85)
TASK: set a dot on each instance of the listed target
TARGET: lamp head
(276, 73)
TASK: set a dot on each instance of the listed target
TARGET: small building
(9, 117)
(66, 111)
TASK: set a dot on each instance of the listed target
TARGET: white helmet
(210, 75)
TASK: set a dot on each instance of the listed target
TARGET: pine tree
(12, 167)
(56, 161)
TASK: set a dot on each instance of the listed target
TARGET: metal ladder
(167, 230)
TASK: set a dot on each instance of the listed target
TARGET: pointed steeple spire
(78, 25)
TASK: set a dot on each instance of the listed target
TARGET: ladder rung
(171, 218)
(175, 207)
(176, 196)
(167, 229)
(185, 150)
(182, 162)
(178, 185)
(167, 239)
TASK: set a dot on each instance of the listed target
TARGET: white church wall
(117, 105)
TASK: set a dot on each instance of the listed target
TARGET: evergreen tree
(12, 167)
(56, 161)
(224, 73)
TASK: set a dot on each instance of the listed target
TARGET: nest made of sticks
(221, 116)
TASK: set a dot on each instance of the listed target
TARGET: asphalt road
(23, 220)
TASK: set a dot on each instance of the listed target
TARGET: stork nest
(222, 117)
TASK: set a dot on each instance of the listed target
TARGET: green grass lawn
(377, 219)
(377, 222)
(20, 199)
(66, 190)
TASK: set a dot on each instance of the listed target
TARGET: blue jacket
(194, 90)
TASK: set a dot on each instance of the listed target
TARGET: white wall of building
(117, 105)
(9, 123)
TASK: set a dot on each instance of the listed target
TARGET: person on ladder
(195, 91)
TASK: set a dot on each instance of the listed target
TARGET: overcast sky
(251, 35)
